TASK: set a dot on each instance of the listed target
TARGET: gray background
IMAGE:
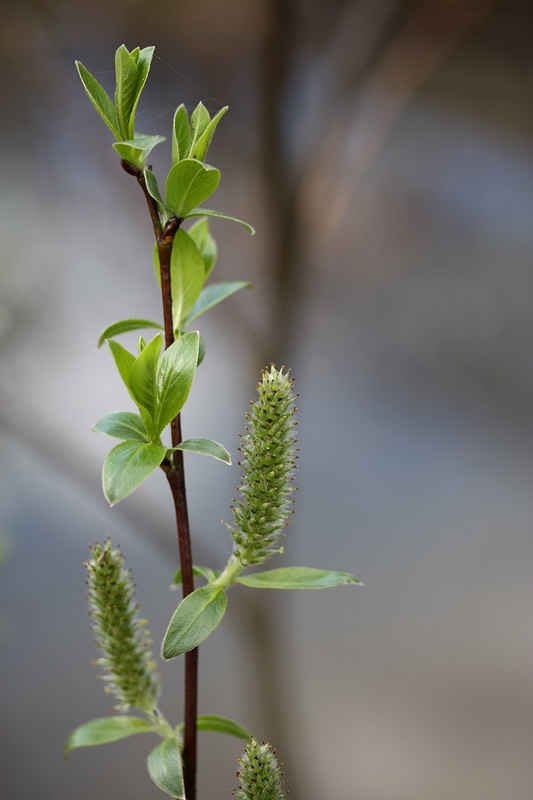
(384, 152)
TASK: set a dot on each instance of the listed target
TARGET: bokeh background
(384, 152)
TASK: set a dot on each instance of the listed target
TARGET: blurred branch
(407, 63)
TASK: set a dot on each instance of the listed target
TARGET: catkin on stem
(259, 774)
(128, 665)
(268, 463)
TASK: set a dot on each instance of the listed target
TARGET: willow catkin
(268, 463)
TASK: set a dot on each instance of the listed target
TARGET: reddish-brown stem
(176, 478)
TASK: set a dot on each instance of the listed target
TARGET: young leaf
(212, 295)
(127, 465)
(297, 578)
(100, 99)
(204, 447)
(165, 768)
(142, 376)
(181, 134)
(144, 61)
(127, 76)
(187, 275)
(124, 326)
(165, 212)
(137, 150)
(194, 620)
(212, 722)
(126, 425)
(124, 361)
(204, 572)
(199, 233)
(200, 119)
(106, 729)
(188, 184)
(201, 144)
(208, 212)
(174, 378)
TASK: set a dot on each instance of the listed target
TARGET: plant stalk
(176, 479)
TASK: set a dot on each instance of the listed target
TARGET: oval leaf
(127, 465)
(204, 447)
(188, 184)
(194, 620)
(106, 729)
(165, 768)
(211, 722)
(297, 578)
(124, 326)
(212, 295)
(174, 378)
(126, 425)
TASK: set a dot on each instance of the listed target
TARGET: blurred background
(384, 152)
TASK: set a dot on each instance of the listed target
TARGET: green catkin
(268, 464)
(259, 774)
(128, 665)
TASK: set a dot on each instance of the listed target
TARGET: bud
(129, 668)
(259, 774)
(268, 465)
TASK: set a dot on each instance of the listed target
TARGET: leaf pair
(199, 614)
(158, 386)
(164, 762)
(131, 72)
(191, 139)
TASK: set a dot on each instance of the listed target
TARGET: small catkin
(128, 665)
(259, 774)
(268, 463)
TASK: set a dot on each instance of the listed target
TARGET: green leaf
(187, 275)
(297, 578)
(127, 75)
(126, 425)
(164, 211)
(212, 722)
(199, 233)
(143, 376)
(181, 134)
(194, 620)
(202, 142)
(208, 212)
(143, 68)
(204, 572)
(100, 99)
(137, 150)
(165, 768)
(106, 729)
(188, 184)
(200, 119)
(124, 326)
(174, 378)
(204, 447)
(124, 361)
(212, 295)
(127, 465)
